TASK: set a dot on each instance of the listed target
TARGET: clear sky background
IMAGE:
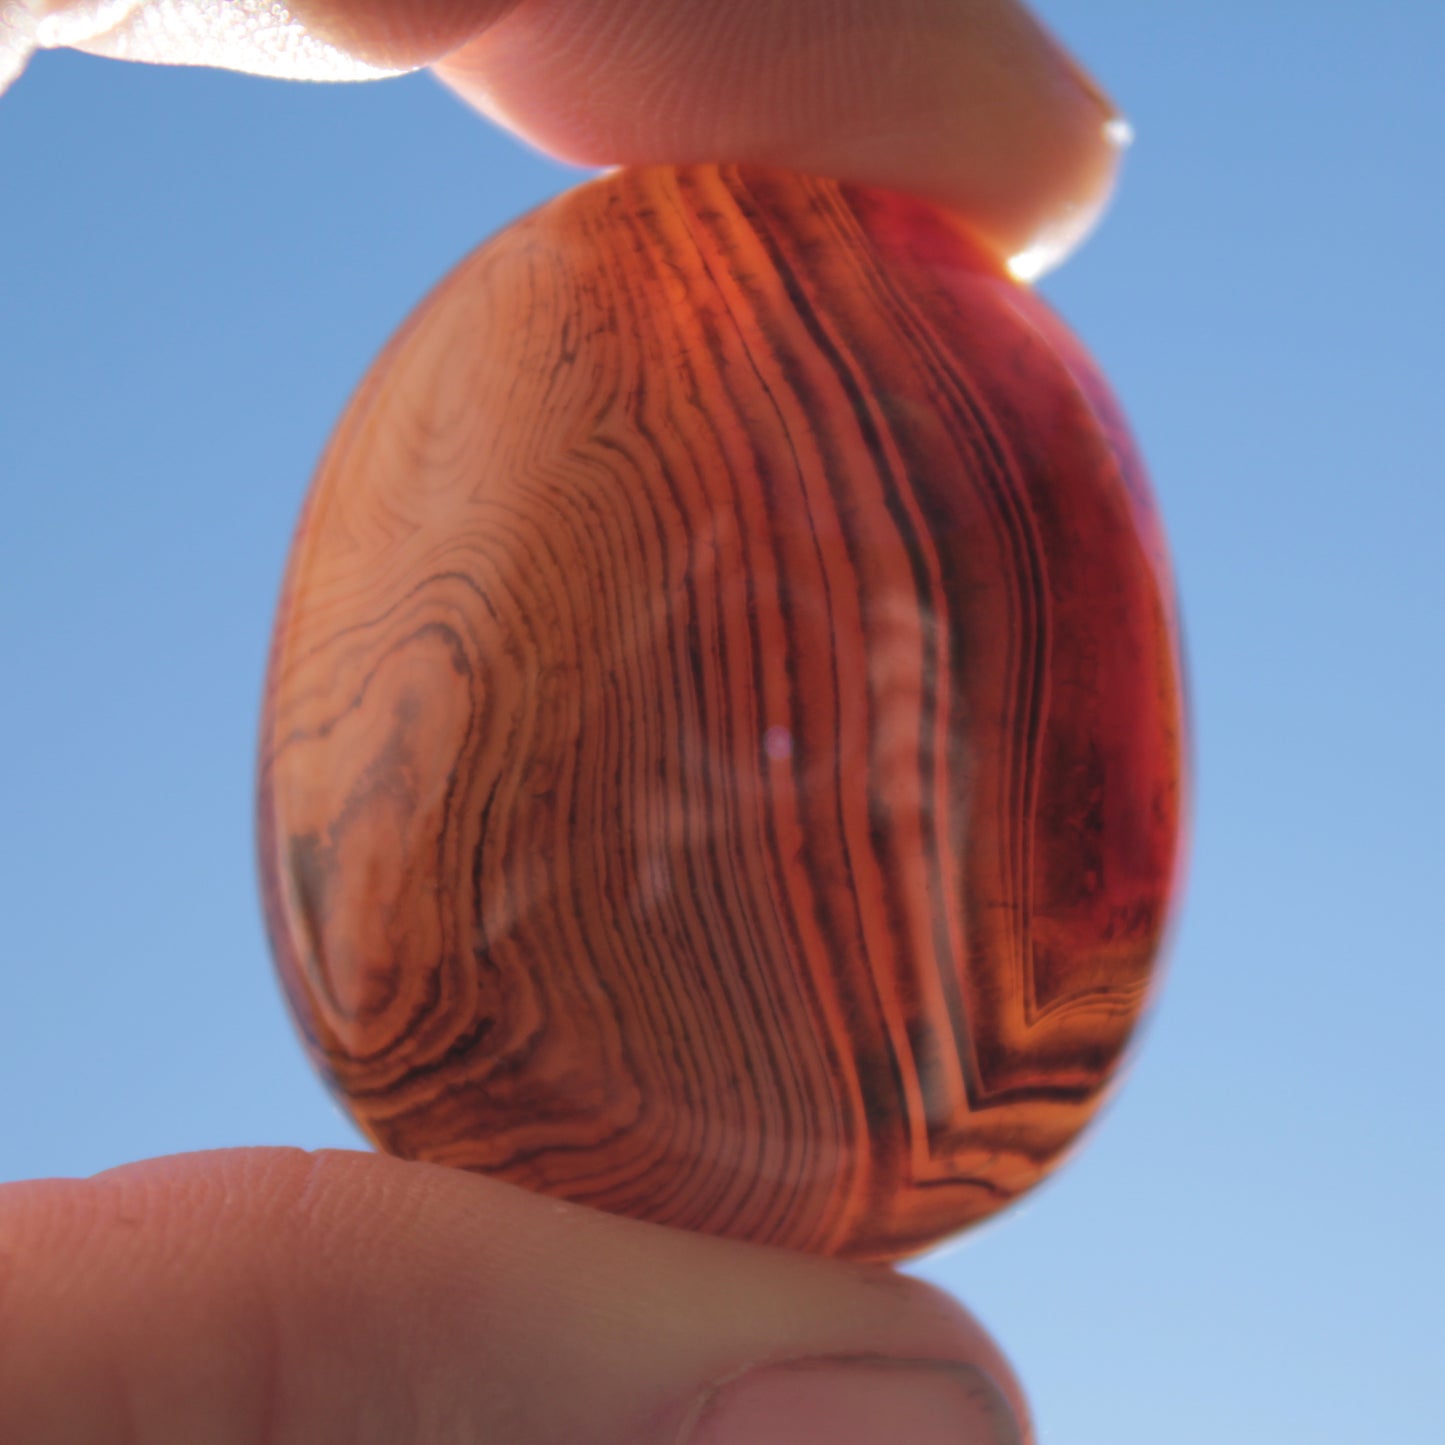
(195, 268)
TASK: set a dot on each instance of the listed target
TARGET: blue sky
(194, 271)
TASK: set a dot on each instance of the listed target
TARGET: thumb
(275, 1296)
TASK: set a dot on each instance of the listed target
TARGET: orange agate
(722, 748)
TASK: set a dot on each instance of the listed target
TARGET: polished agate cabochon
(721, 757)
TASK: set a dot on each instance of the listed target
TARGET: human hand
(342, 1298)
(966, 102)
(270, 1294)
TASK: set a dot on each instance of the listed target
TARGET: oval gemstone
(722, 751)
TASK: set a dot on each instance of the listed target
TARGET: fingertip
(270, 1294)
(1046, 235)
(975, 106)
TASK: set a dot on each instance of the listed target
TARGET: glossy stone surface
(721, 759)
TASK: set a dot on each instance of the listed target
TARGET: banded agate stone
(721, 756)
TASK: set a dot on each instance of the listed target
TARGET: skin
(271, 1295)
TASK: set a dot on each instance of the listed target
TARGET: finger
(272, 1295)
(967, 102)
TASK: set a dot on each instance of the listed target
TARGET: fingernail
(856, 1400)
